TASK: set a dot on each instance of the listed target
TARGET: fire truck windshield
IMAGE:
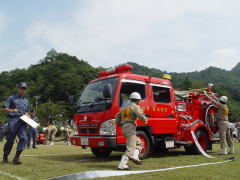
(92, 99)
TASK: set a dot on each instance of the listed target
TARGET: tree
(186, 84)
(52, 112)
(3, 116)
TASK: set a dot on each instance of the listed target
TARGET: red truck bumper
(94, 141)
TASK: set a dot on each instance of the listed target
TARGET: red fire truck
(169, 113)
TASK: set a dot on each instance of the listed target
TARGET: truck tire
(160, 148)
(203, 141)
(146, 144)
(101, 152)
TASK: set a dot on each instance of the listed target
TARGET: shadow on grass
(175, 153)
(83, 158)
(86, 158)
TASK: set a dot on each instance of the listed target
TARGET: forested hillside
(53, 79)
(58, 75)
(225, 82)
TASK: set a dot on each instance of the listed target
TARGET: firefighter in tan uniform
(52, 130)
(68, 132)
(126, 118)
(237, 125)
(223, 124)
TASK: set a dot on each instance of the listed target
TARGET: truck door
(162, 109)
(127, 87)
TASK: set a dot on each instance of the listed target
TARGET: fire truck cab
(169, 113)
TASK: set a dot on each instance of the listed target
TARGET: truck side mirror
(107, 91)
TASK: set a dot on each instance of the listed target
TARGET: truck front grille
(88, 130)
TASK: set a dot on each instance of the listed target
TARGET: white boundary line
(109, 173)
(11, 175)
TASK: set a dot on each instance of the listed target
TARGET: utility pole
(36, 101)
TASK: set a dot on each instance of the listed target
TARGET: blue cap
(22, 85)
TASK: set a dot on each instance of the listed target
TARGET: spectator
(32, 132)
(1, 130)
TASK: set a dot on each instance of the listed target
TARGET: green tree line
(58, 75)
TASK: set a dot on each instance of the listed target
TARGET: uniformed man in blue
(16, 106)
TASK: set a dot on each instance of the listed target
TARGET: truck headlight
(108, 127)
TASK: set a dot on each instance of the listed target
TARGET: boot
(52, 143)
(136, 154)
(69, 143)
(135, 158)
(232, 150)
(5, 158)
(16, 159)
(123, 163)
(224, 151)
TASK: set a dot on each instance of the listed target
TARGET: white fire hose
(199, 146)
(195, 139)
(110, 173)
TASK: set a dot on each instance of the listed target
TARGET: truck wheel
(146, 144)
(160, 148)
(203, 141)
(101, 152)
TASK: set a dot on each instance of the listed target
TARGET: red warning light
(116, 70)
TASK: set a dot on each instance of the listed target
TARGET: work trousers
(224, 134)
(68, 134)
(32, 134)
(1, 134)
(238, 134)
(132, 141)
(16, 127)
(51, 133)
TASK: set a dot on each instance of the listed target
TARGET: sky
(170, 35)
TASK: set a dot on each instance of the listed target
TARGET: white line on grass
(11, 175)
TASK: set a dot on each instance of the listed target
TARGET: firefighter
(16, 106)
(52, 130)
(223, 124)
(237, 125)
(126, 118)
(68, 132)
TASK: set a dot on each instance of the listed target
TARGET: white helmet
(135, 95)
(61, 128)
(223, 99)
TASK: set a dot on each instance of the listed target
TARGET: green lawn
(52, 161)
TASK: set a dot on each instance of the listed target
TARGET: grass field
(52, 161)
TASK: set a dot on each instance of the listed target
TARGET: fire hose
(195, 138)
(109, 173)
